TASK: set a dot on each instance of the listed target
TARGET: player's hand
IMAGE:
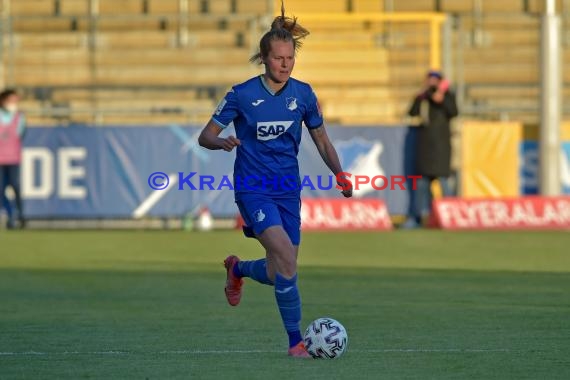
(346, 187)
(229, 143)
(347, 193)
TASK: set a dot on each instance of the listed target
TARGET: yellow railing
(434, 19)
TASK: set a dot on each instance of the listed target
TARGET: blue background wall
(91, 172)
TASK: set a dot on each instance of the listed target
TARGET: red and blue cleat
(299, 351)
(233, 283)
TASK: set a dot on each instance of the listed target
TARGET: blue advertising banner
(107, 172)
(530, 167)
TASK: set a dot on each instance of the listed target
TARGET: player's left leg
(282, 268)
(259, 213)
(282, 245)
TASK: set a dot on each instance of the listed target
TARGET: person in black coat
(435, 105)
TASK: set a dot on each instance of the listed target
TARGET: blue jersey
(269, 127)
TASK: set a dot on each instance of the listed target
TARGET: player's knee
(284, 262)
(289, 268)
(288, 274)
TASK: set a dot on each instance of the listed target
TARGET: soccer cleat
(299, 351)
(233, 284)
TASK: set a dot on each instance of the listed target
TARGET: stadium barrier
(500, 182)
(327, 214)
(110, 172)
(341, 214)
(104, 172)
(532, 212)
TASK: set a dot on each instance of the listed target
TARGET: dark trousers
(422, 205)
(10, 176)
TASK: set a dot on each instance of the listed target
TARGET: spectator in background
(12, 130)
(435, 105)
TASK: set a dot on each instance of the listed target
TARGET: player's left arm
(329, 155)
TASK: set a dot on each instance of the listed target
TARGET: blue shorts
(260, 212)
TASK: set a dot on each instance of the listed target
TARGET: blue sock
(289, 303)
(256, 270)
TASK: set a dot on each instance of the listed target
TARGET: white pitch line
(226, 352)
(419, 350)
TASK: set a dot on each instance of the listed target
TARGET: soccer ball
(326, 338)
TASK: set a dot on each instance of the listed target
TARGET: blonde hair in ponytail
(284, 29)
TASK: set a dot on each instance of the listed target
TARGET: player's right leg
(234, 283)
(258, 213)
(237, 269)
(254, 269)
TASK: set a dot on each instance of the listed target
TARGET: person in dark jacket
(435, 105)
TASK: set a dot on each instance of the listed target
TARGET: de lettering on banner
(526, 213)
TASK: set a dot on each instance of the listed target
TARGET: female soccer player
(267, 112)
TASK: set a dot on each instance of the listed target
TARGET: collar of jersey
(268, 89)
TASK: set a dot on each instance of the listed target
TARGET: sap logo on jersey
(269, 130)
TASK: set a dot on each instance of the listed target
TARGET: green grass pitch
(416, 304)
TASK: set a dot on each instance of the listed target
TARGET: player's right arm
(225, 113)
(209, 138)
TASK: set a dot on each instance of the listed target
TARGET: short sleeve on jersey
(227, 110)
(314, 117)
